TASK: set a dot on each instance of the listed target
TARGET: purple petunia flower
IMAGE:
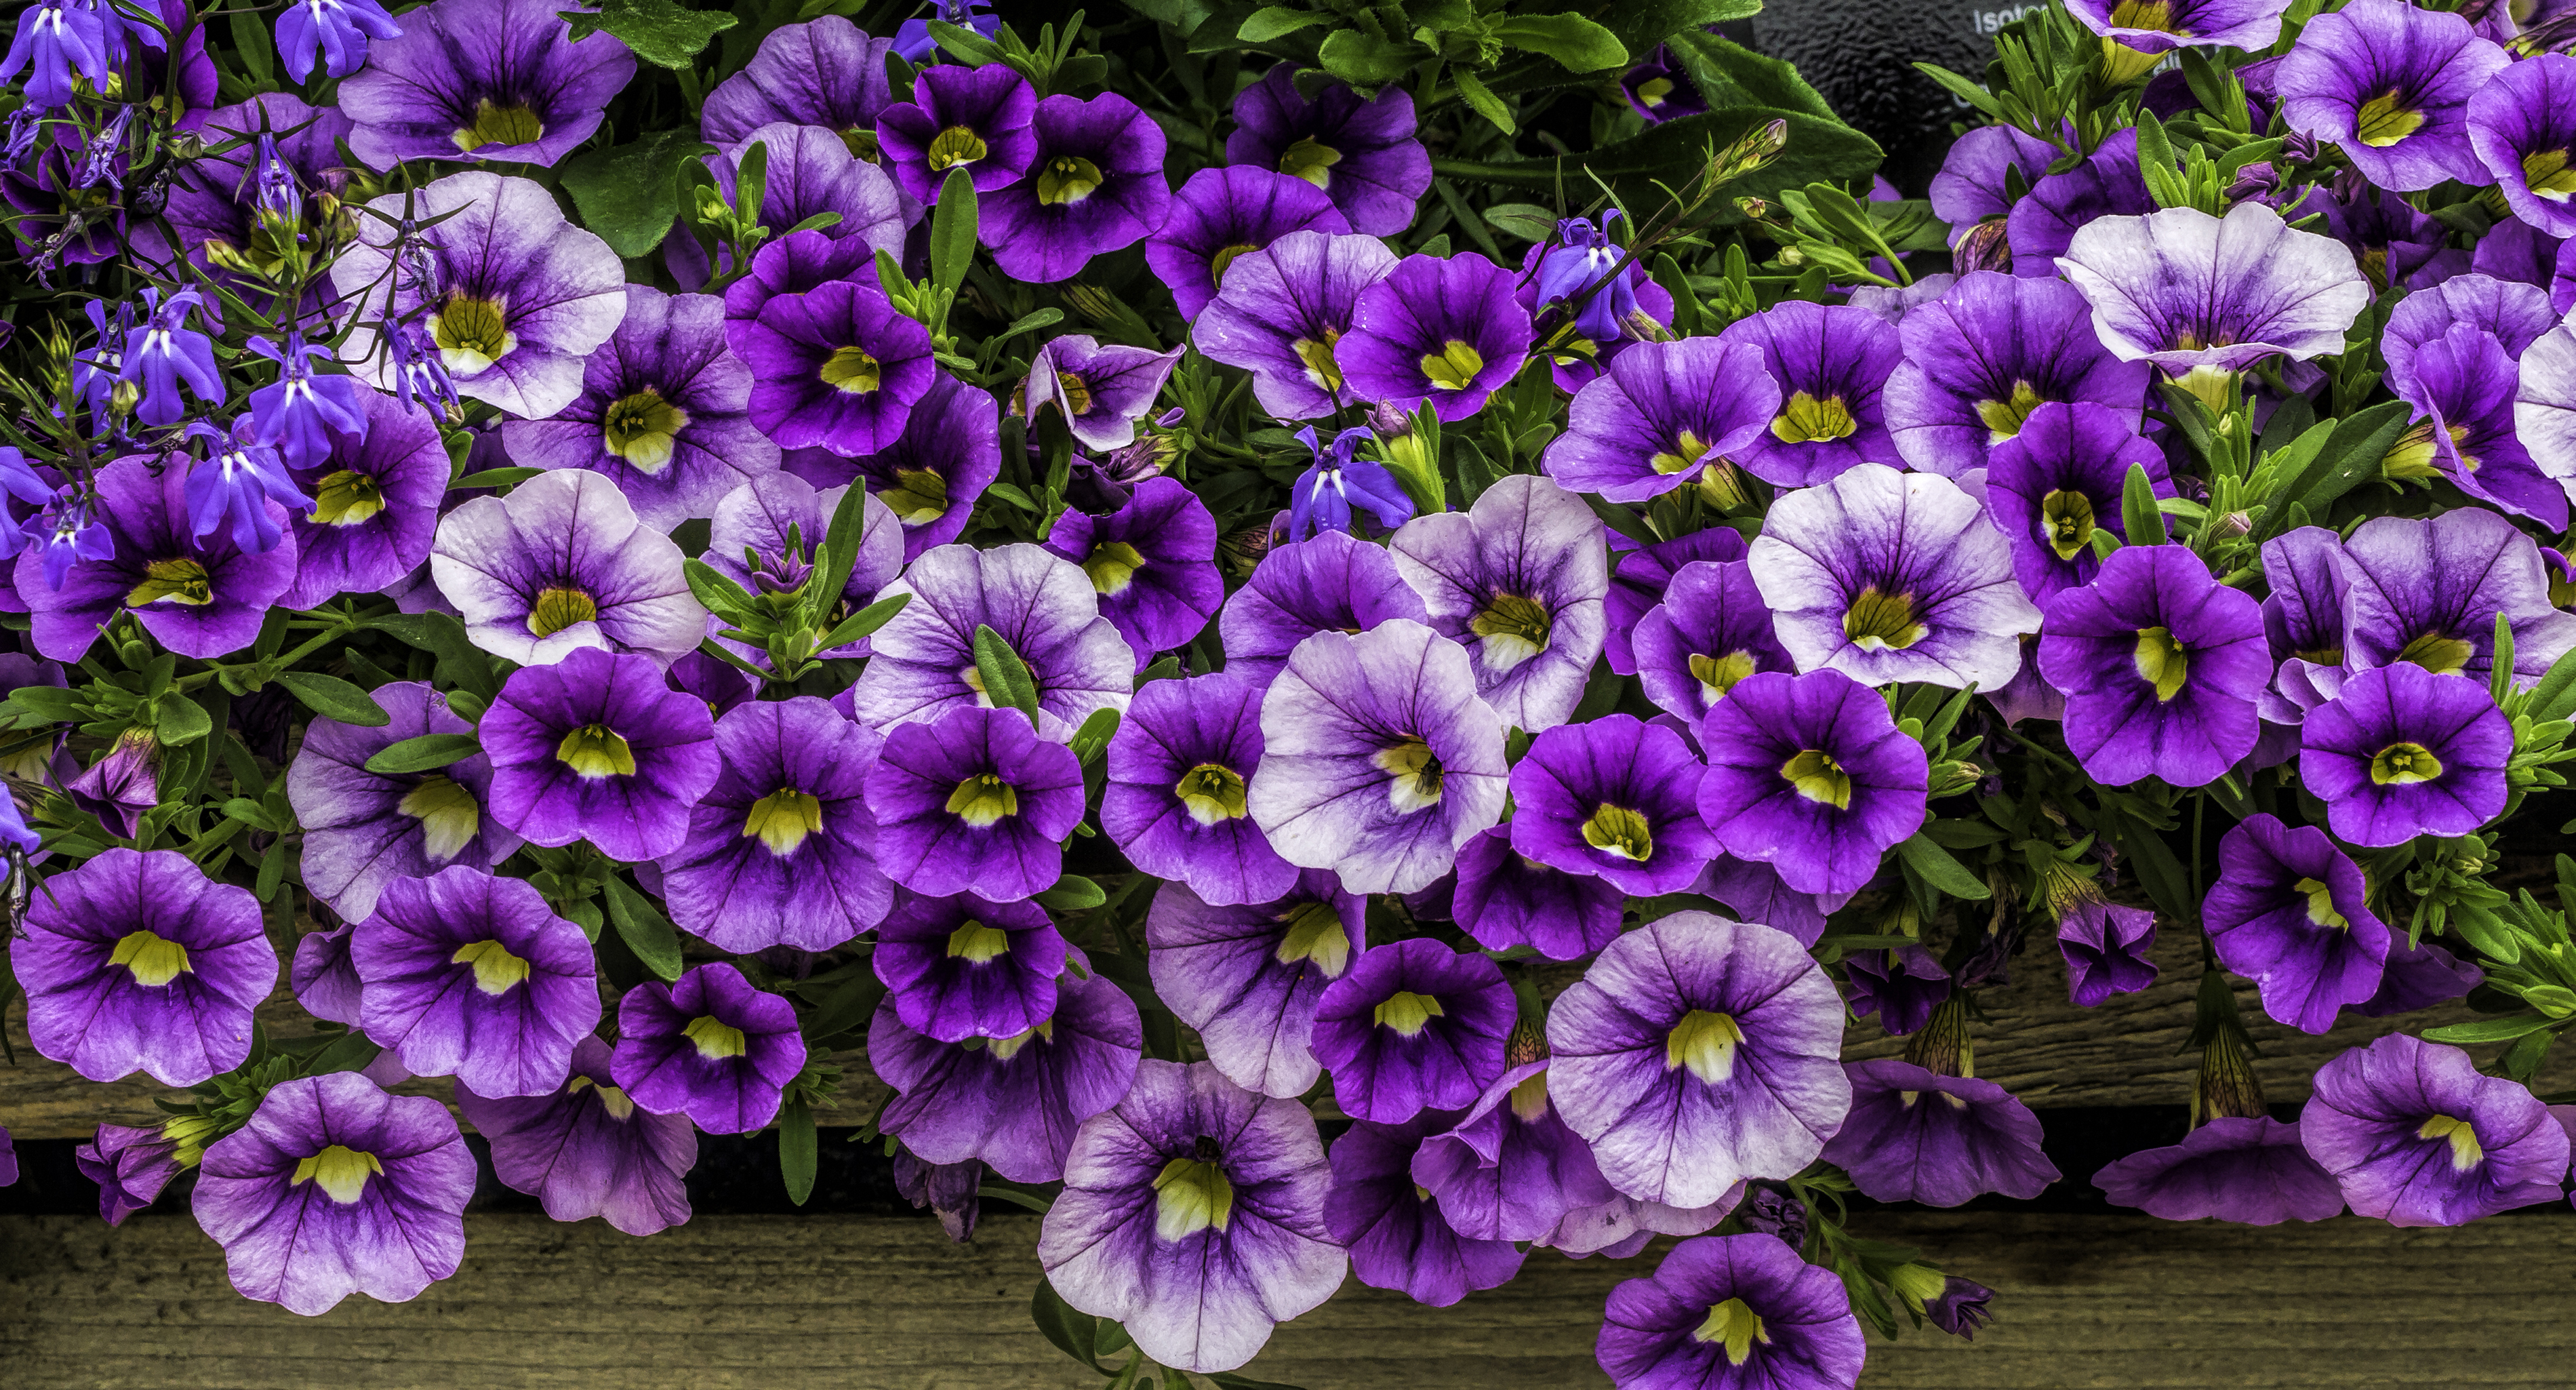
(923, 662)
(1397, 1233)
(466, 975)
(1888, 576)
(1810, 775)
(131, 1166)
(2519, 129)
(1616, 798)
(2050, 487)
(1221, 215)
(596, 747)
(2160, 665)
(2400, 752)
(1832, 365)
(2162, 26)
(1696, 1053)
(974, 802)
(1379, 759)
(2291, 911)
(136, 962)
(836, 367)
(1504, 900)
(1413, 1026)
(930, 476)
(1661, 413)
(2462, 385)
(1014, 1102)
(1447, 333)
(965, 966)
(1363, 154)
(2427, 592)
(781, 850)
(1519, 579)
(363, 830)
(1193, 1214)
(1660, 89)
(1902, 986)
(198, 598)
(335, 1188)
(2108, 183)
(1176, 799)
(1709, 631)
(1281, 314)
(1984, 355)
(2416, 1137)
(563, 565)
(1095, 184)
(1510, 1169)
(2512, 313)
(1972, 185)
(374, 511)
(2392, 242)
(1917, 1136)
(811, 172)
(824, 72)
(323, 977)
(1732, 1311)
(1248, 978)
(1640, 576)
(2390, 84)
(481, 80)
(1101, 391)
(710, 1046)
(2105, 946)
(2250, 1171)
(975, 119)
(1329, 582)
(586, 1149)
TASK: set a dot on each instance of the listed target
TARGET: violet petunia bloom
(2400, 752)
(1917, 1136)
(2391, 241)
(1810, 775)
(137, 962)
(1193, 1214)
(1660, 414)
(596, 747)
(2108, 183)
(466, 975)
(324, 978)
(1519, 579)
(1397, 1233)
(2390, 84)
(1510, 1169)
(482, 80)
(1223, 214)
(661, 413)
(2161, 26)
(1413, 1026)
(1014, 1102)
(1247, 978)
(2196, 294)
(335, 1188)
(964, 966)
(1378, 759)
(124, 783)
(586, 1149)
(363, 830)
(1095, 185)
(563, 565)
(1616, 798)
(1331, 581)
(1446, 333)
(1732, 1313)
(131, 1166)
(922, 664)
(1639, 578)
(2512, 313)
(1101, 391)
(1281, 314)
(837, 367)
(1504, 900)
(1363, 154)
(2160, 665)
(949, 452)
(824, 72)
(2250, 1171)
(2419, 978)
(375, 505)
(1902, 986)
(710, 1046)
(975, 119)
(2291, 911)
(2060, 480)
(2462, 386)
(974, 802)
(2519, 129)
(1177, 795)
(1660, 89)
(513, 296)
(2416, 1137)
(1887, 576)
(811, 172)
(1832, 363)
(198, 596)
(1972, 185)
(1710, 630)
(1984, 355)
(1697, 1053)
(781, 851)
(2427, 592)
(2105, 947)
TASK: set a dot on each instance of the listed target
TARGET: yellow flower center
(341, 1171)
(2066, 523)
(2545, 173)
(2465, 1151)
(176, 581)
(2438, 653)
(2404, 765)
(560, 608)
(1803, 419)
(1876, 621)
(782, 820)
(715, 1038)
(1414, 774)
(1407, 1013)
(1616, 830)
(1321, 368)
(1735, 1326)
(643, 429)
(1654, 91)
(499, 125)
(1190, 1196)
(2383, 120)
(448, 815)
(954, 146)
(1112, 566)
(976, 943)
(1529, 1099)
(1225, 257)
(919, 496)
(495, 969)
(1315, 933)
(2321, 909)
(982, 799)
(2145, 14)
(1004, 1049)
(594, 751)
(1067, 179)
(1819, 778)
(2161, 662)
(1686, 453)
(851, 371)
(344, 498)
(1514, 629)
(1454, 366)
(155, 959)
(1077, 393)
(1718, 674)
(2003, 419)
(1309, 160)
(1212, 793)
(1705, 1042)
(471, 334)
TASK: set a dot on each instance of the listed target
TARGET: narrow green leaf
(721, 595)
(1272, 21)
(1072, 894)
(644, 929)
(2146, 525)
(797, 1156)
(1576, 43)
(1819, 148)
(499, 477)
(865, 622)
(1093, 737)
(2487, 1030)
(2500, 677)
(952, 230)
(422, 754)
(335, 698)
(250, 39)
(1007, 684)
(49, 704)
(838, 555)
(460, 662)
(2351, 455)
(1926, 860)
(1481, 100)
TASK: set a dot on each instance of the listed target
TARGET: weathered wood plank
(859, 1303)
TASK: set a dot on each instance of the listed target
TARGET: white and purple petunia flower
(363, 830)
(1248, 977)
(1519, 580)
(1101, 390)
(1281, 313)
(923, 662)
(1662, 413)
(466, 975)
(478, 80)
(564, 565)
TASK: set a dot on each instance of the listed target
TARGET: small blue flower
(337, 30)
(298, 412)
(166, 353)
(72, 534)
(912, 38)
(54, 37)
(1586, 255)
(420, 374)
(1338, 484)
(238, 475)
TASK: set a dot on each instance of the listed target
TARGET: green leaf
(460, 662)
(1576, 43)
(660, 32)
(2146, 525)
(183, 721)
(424, 753)
(2553, 698)
(335, 698)
(965, 45)
(1093, 737)
(838, 555)
(48, 703)
(849, 1005)
(797, 1158)
(250, 39)
(1364, 60)
(952, 230)
(1007, 684)
(1729, 74)
(1819, 149)
(1926, 860)
(2351, 456)
(2488, 1030)
(864, 622)
(1072, 893)
(1528, 221)
(1271, 21)
(348, 1052)
(1481, 99)
(644, 929)
(500, 477)
(1075, 1334)
(715, 589)
(1639, 25)
(626, 195)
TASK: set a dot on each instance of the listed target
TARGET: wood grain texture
(860, 1303)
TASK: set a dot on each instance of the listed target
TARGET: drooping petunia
(467, 975)
(1331, 581)
(2290, 911)
(586, 1149)
(2253, 1171)
(1917, 1136)
(1398, 1235)
(1732, 1313)
(710, 1046)
(824, 72)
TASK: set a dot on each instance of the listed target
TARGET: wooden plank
(863, 1303)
